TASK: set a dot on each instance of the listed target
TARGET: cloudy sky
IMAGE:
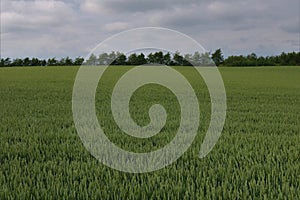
(53, 28)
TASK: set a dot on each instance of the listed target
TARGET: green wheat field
(256, 157)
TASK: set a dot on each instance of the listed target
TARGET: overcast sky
(73, 27)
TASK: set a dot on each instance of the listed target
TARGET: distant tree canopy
(284, 59)
(8, 62)
(217, 57)
(153, 58)
(176, 59)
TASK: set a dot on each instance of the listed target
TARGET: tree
(141, 59)
(217, 57)
(135, 59)
(35, 62)
(196, 59)
(187, 60)
(120, 60)
(103, 59)
(50, 62)
(111, 58)
(156, 58)
(92, 60)
(78, 61)
(61, 62)
(167, 59)
(43, 62)
(2, 62)
(26, 61)
(178, 59)
(7, 62)
(132, 59)
(17, 62)
(206, 60)
(68, 61)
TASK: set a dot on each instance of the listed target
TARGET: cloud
(37, 28)
(292, 26)
(91, 6)
(116, 26)
(131, 6)
(213, 16)
(34, 15)
(70, 27)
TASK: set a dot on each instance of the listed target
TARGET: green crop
(256, 157)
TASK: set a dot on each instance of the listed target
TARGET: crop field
(256, 157)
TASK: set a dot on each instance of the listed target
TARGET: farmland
(257, 155)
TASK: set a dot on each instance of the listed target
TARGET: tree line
(196, 59)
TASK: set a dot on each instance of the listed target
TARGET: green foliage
(257, 156)
(285, 59)
(135, 59)
(217, 57)
(197, 59)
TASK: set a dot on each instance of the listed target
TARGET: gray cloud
(34, 15)
(132, 6)
(292, 26)
(60, 28)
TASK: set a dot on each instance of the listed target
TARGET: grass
(256, 157)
